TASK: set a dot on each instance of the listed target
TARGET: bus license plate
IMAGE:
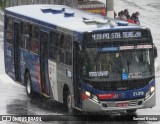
(122, 104)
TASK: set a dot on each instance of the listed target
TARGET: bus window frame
(61, 48)
(25, 42)
(35, 41)
(9, 29)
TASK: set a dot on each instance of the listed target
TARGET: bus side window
(68, 58)
(54, 45)
(62, 55)
(55, 38)
(35, 44)
(61, 50)
(9, 29)
(25, 36)
(66, 49)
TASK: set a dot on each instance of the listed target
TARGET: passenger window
(53, 53)
(9, 29)
(25, 36)
(68, 58)
(35, 34)
(61, 45)
(62, 55)
(55, 38)
(66, 49)
(54, 45)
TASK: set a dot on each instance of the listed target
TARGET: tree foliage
(2, 4)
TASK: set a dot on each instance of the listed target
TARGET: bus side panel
(35, 72)
(64, 76)
(52, 68)
(9, 59)
(8, 47)
(30, 61)
(23, 65)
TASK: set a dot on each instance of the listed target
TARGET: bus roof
(65, 17)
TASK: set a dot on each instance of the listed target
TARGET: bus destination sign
(117, 35)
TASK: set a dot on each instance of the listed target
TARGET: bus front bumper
(89, 105)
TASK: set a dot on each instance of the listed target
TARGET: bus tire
(131, 111)
(28, 83)
(69, 104)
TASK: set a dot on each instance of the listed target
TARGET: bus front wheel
(68, 103)
(28, 83)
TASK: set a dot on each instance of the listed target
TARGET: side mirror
(155, 52)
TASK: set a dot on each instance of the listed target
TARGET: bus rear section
(118, 71)
(11, 50)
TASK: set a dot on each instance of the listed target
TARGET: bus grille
(121, 85)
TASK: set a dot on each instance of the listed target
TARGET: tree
(2, 4)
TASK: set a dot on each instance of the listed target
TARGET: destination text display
(117, 35)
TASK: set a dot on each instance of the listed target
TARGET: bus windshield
(113, 64)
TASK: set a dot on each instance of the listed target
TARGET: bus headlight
(88, 93)
(91, 96)
(152, 89)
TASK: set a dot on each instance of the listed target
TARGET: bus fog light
(88, 93)
(152, 89)
(95, 98)
(148, 94)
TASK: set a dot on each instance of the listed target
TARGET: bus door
(76, 72)
(44, 38)
(16, 50)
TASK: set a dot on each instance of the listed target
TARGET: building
(72, 3)
(88, 5)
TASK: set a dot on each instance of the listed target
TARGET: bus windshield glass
(117, 63)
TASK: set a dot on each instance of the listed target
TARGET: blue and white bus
(88, 62)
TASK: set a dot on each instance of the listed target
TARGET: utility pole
(110, 8)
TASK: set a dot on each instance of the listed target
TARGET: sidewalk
(1, 21)
(1, 24)
(1, 16)
(1, 37)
